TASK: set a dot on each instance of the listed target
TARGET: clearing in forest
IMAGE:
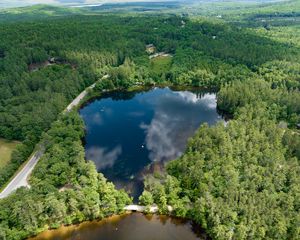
(6, 149)
(161, 64)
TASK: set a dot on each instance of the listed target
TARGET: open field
(160, 64)
(6, 148)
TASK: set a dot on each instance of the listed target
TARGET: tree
(146, 198)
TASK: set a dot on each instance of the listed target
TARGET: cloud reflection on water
(174, 122)
(102, 157)
(97, 119)
(125, 133)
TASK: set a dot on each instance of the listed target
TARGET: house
(150, 48)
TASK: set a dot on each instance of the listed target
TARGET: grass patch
(160, 64)
(6, 148)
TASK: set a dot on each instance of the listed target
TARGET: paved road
(20, 179)
(77, 100)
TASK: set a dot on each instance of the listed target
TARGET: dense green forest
(85, 47)
(239, 181)
(65, 188)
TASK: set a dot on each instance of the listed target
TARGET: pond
(130, 134)
(134, 226)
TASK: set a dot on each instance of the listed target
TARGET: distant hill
(37, 11)
(23, 3)
(231, 8)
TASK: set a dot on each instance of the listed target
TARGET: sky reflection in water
(127, 131)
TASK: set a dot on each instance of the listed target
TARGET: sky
(20, 3)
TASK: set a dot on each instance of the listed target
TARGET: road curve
(20, 180)
(77, 100)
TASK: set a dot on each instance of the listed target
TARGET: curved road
(20, 180)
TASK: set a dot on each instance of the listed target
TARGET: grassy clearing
(6, 148)
(160, 64)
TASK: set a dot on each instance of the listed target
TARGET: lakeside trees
(240, 181)
(284, 104)
(205, 54)
(237, 181)
(65, 189)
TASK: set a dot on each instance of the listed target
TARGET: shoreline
(113, 219)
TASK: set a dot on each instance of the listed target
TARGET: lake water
(130, 134)
(134, 226)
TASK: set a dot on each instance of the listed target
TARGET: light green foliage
(205, 53)
(6, 149)
(281, 74)
(239, 179)
(160, 65)
(146, 198)
(286, 34)
(65, 188)
(239, 182)
(36, 12)
(282, 103)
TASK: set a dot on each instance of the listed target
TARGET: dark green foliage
(205, 54)
(283, 104)
(65, 188)
(33, 92)
(239, 182)
(21, 153)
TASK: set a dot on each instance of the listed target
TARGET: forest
(34, 90)
(239, 181)
(64, 189)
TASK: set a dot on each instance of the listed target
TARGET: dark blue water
(128, 132)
